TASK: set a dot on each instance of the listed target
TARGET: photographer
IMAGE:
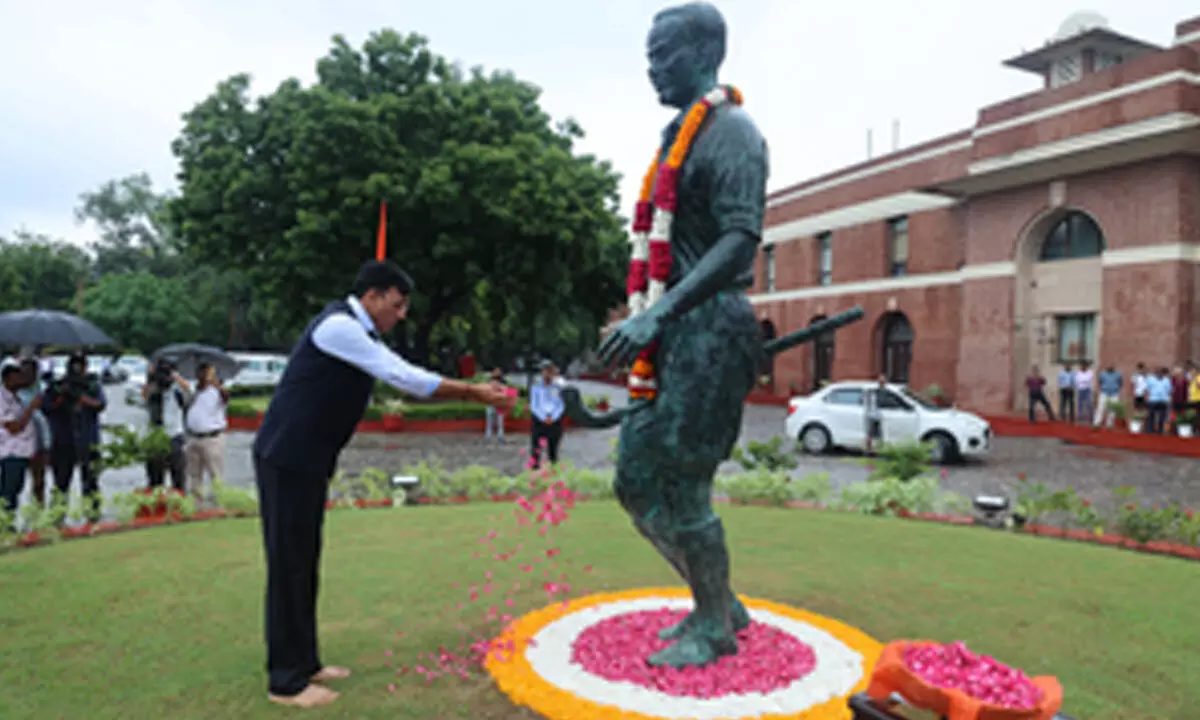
(73, 406)
(167, 396)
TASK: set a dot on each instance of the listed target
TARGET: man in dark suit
(316, 406)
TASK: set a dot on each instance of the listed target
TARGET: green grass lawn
(167, 622)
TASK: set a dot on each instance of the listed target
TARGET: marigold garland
(524, 687)
(650, 260)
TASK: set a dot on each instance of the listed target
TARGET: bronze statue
(694, 336)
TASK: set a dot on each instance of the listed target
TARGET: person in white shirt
(167, 395)
(319, 401)
(18, 436)
(1085, 378)
(1139, 387)
(204, 452)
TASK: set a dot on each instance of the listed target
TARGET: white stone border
(839, 668)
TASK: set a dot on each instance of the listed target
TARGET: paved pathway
(1093, 472)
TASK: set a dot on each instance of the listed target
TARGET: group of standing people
(1087, 396)
(194, 418)
(49, 423)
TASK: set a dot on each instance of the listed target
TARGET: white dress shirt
(354, 340)
(206, 414)
(173, 411)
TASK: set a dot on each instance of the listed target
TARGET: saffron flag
(381, 242)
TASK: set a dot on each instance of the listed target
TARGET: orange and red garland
(650, 262)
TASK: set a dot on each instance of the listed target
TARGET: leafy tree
(143, 311)
(37, 271)
(133, 232)
(482, 191)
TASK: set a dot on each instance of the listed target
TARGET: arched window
(1075, 236)
(896, 340)
(822, 370)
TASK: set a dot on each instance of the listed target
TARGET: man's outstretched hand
(624, 343)
(496, 395)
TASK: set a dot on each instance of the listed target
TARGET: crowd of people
(1166, 397)
(49, 423)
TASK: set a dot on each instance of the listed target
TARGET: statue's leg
(707, 365)
(637, 488)
(708, 632)
(739, 616)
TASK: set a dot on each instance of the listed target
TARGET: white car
(258, 369)
(834, 417)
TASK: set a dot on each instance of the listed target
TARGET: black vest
(317, 404)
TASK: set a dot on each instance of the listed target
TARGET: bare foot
(310, 697)
(331, 672)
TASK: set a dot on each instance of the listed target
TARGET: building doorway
(896, 342)
(1059, 295)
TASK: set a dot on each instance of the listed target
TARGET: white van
(258, 369)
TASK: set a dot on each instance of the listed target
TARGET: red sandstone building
(1063, 226)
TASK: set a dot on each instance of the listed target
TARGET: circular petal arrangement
(584, 658)
(615, 649)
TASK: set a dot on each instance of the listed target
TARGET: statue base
(588, 658)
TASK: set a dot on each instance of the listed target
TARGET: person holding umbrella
(73, 405)
(18, 437)
(318, 403)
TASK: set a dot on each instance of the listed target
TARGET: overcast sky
(93, 90)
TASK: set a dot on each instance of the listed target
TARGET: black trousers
(156, 469)
(552, 432)
(63, 461)
(292, 507)
(1066, 404)
(1156, 419)
(1035, 399)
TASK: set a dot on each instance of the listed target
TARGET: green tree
(37, 271)
(143, 311)
(133, 233)
(480, 188)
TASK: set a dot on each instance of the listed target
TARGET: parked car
(257, 369)
(834, 416)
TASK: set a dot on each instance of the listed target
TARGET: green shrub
(903, 461)
(245, 391)
(241, 408)
(769, 456)
(890, 495)
(758, 485)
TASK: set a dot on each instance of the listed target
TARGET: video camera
(163, 375)
(73, 385)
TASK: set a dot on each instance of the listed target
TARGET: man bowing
(316, 406)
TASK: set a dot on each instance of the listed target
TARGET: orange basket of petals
(957, 684)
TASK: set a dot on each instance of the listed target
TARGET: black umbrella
(49, 327)
(186, 356)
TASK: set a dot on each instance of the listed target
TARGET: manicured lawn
(167, 622)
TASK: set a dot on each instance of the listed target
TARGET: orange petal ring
(517, 679)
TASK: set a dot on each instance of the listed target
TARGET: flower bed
(609, 633)
(1011, 426)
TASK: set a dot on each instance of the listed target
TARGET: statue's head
(685, 48)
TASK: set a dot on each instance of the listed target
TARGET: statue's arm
(738, 190)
